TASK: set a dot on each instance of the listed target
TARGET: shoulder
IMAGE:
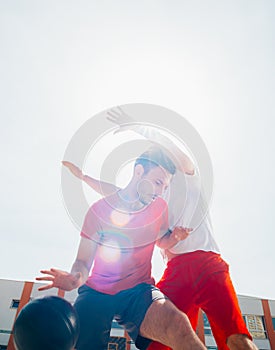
(159, 203)
(103, 203)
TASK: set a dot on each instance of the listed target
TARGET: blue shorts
(97, 310)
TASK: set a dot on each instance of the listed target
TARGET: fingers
(112, 118)
(181, 238)
(49, 286)
(55, 271)
(119, 117)
(121, 110)
(51, 272)
(112, 115)
(116, 115)
(181, 233)
(46, 278)
(66, 163)
(51, 276)
(183, 229)
(57, 279)
(114, 112)
(69, 164)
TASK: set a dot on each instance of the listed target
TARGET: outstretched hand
(73, 169)
(119, 117)
(60, 279)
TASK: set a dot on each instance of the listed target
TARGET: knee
(240, 342)
(178, 324)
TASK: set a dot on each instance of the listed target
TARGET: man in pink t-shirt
(121, 260)
(117, 241)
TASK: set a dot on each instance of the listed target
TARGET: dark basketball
(49, 323)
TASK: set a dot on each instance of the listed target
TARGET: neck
(129, 198)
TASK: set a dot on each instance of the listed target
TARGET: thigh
(177, 284)
(132, 310)
(164, 323)
(220, 303)
(95, 312)
(157, 320)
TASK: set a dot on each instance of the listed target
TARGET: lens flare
(119, 218)
(111, 252)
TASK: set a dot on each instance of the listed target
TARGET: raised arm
(100, 187)
(125, 122)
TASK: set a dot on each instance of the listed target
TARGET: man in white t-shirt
(196, 277)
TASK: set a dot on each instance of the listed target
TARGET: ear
(138, 171)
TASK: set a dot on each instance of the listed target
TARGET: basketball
(48, 323)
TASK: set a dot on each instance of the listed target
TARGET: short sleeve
(91, 226)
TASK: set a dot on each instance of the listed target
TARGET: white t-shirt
(186, 204)
(188, 208)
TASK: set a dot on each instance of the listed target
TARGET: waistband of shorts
(193, 255)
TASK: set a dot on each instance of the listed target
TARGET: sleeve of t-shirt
(91, 227)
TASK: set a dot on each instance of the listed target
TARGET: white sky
(62, 62)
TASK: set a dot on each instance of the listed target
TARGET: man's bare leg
(166, 324)
(240, 342)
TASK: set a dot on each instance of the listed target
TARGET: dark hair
(155, 157)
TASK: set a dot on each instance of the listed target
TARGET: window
(207, 328)
(117, 343)
(273, 321)
(256, 326)
(15, 304)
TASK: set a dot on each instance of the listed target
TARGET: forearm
(126, 122)
(100, 187)
(181, 160)
(79, 267)
(171, 238)
(167, 241)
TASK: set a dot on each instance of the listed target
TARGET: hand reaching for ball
(60, 279)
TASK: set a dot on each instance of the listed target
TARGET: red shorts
(201, 280)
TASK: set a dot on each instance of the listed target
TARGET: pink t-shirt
(125, 244)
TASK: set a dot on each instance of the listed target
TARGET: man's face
(153, 184)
